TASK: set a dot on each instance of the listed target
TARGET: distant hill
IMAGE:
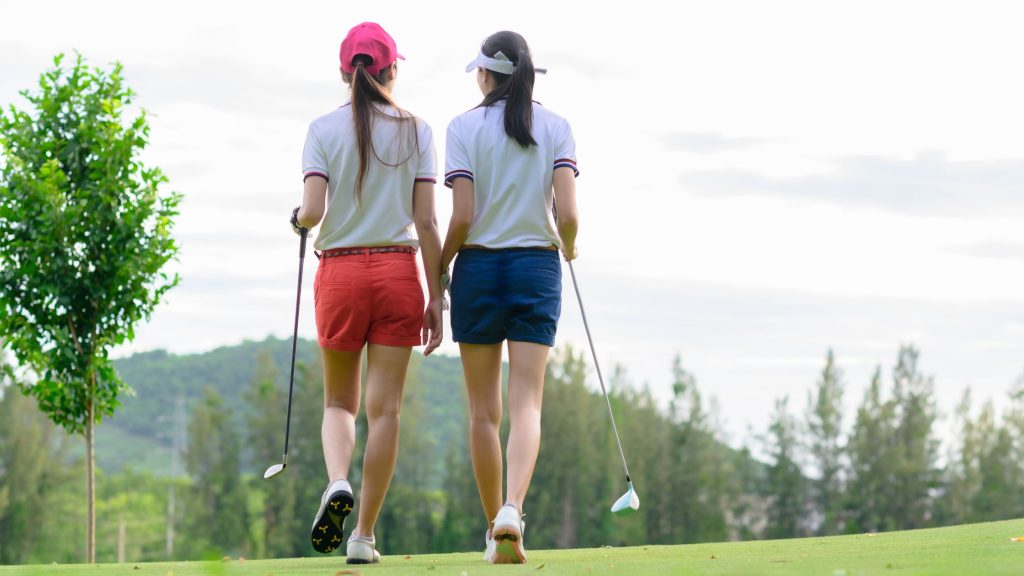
(140, 435)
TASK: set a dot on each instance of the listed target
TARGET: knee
(488, 417)
(350, 405)
(384, 410)
(525, 415)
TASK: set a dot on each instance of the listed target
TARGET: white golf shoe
(489, 547)
(508, 536)
(362, 550)
(327, 532)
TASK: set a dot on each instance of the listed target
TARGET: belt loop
(366, 255)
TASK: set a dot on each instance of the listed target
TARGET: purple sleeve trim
(451, 176)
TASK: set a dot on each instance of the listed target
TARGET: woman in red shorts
(369, 174)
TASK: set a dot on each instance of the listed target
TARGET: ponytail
(515, 88)
(368, 90)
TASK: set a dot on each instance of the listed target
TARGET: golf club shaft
(597, 366)
(295, 339)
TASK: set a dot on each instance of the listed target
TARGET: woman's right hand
(433, 326)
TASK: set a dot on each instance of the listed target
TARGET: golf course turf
(989, 549)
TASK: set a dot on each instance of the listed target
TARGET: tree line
(813, 471)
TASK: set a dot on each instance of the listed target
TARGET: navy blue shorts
(509, 294)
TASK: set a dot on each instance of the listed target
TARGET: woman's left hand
(433, 326)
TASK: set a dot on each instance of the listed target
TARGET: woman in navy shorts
(508, 162)
(369, 174)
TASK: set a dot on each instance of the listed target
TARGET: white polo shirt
(511, 184)
(385, 217)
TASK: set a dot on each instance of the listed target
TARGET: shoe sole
(361, 561)
(508, 546)
(328, 530)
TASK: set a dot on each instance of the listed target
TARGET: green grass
(983, 549)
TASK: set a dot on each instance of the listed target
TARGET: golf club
(629, 501)
(278, 468)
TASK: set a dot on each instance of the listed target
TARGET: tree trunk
(170, 520)
(90, 472)
(121, 537)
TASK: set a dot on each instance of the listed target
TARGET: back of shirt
(402, 154)
(512, 184)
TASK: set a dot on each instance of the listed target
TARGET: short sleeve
(314, 161)
(565, 148)
(456, 159)
(427, 169)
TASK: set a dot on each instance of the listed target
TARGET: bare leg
(481, 366)
(342, 371)
(385, 381)
(525, 393)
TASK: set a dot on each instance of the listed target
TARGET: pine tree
(917, 446)
(306, 466)
(998, 481)
(1014, 425)
(462, 524)
(562, 491)
(824, 427)
(266, 398)
(647, 437)
(216, 507)
(698, 516)
(785, 482)
(873, 462)
(406, 522)
(720, 478)
(962, 478)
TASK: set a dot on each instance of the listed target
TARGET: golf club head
(627, 503)
(273, 471)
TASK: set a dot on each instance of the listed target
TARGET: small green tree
(84, 234)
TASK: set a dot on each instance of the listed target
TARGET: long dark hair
(368, 90)
(515, 88)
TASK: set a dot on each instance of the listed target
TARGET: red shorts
(375, 298)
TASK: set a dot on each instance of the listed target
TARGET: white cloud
(927, 184)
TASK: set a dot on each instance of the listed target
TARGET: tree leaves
(84, 233)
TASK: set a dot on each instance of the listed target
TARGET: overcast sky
(760, 181)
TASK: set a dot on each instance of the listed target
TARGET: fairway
(984, 549)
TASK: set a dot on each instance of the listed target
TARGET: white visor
(499, 63)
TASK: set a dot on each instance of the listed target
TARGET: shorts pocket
(336, 275)
(398, 270)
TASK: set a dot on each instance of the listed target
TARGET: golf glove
(446, 289)
(294, 221)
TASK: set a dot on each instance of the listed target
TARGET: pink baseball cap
(370, 39)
